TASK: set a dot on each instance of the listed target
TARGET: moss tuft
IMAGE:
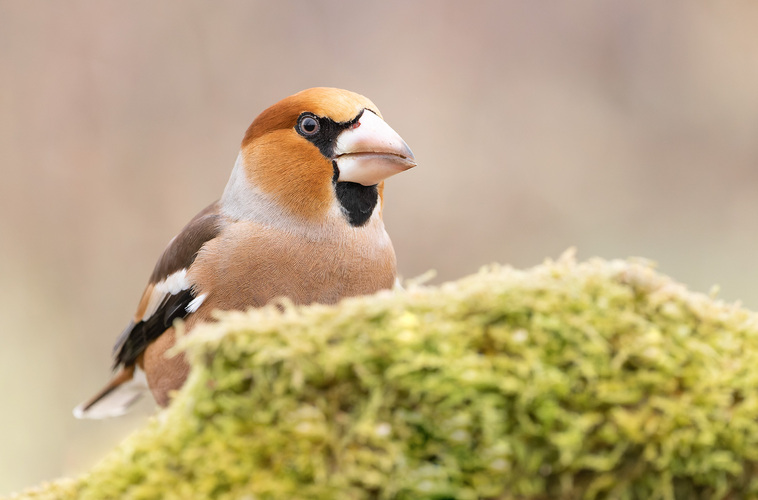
(569, 380)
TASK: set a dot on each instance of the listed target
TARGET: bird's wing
(169, 293)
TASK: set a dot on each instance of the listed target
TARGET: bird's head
(318, 149)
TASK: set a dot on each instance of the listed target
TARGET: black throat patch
(357, 201)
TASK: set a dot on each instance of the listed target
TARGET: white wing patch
(172, 285)
(196, 303)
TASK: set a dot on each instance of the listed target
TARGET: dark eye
(308, 125)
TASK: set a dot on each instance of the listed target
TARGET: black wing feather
(144, 332)
(180, 254)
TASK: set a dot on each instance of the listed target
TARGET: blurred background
(624, 128)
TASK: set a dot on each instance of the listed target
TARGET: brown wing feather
(178, 255)
(182, 250)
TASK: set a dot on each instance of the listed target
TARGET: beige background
(621, 127)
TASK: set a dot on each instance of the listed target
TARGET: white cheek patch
(172, 285)
(196, 303)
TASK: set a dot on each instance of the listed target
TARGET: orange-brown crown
(285, 165)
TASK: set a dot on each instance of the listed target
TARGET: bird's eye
(308, 125)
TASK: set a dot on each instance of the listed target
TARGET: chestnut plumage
(301, 217)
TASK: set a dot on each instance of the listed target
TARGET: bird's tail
(123, 390)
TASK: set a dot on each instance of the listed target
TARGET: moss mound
(592, 380)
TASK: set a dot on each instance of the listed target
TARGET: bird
(300, 217)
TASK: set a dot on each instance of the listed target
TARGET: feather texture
(286, 226)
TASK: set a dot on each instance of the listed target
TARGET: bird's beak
(370, 151)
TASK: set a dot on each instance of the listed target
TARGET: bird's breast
(249, 265)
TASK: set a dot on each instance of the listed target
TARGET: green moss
(592, 380)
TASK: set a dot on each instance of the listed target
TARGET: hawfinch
(301, 217)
